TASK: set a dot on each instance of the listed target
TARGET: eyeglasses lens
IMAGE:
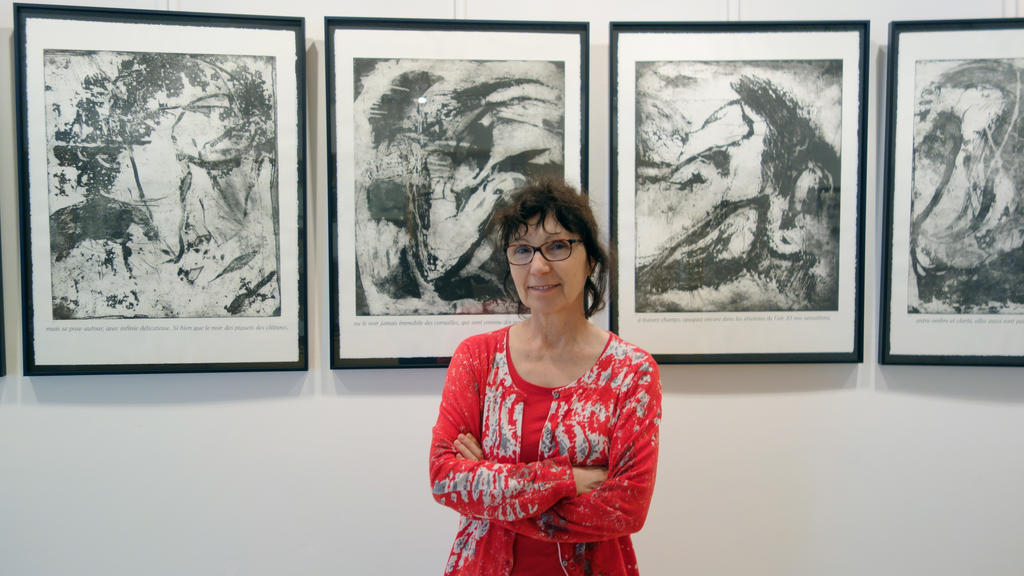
(556, 250)
(520, 254)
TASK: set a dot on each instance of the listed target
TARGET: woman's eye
(558, 245)
(521, 250)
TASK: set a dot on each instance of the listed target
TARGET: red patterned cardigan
(608, 417)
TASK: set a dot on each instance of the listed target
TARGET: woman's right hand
(588, 477)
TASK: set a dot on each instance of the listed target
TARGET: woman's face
(549, 287)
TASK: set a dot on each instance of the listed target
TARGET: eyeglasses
(552, 251)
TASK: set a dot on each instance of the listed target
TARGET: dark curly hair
(556, 199)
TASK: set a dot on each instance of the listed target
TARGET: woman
(547, 437)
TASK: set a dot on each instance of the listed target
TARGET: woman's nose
(539, 264)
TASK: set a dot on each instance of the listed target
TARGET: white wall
(767, 470)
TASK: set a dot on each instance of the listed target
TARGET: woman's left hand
(468, 447)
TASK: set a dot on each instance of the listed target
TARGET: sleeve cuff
(565, 484)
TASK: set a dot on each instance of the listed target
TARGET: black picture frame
(430, 124)
(954, 212)
(738, 186)
(162, 190)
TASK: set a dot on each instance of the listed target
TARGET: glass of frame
(738, 189)
(431, 124)
(162, 190)
(953, 284)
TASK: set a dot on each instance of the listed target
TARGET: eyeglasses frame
(539, 250)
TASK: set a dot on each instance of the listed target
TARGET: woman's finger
(471, 442)
(464, 448)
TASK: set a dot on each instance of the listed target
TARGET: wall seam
(733, 10)
(459, 9)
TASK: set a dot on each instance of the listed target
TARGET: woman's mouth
(543, 287)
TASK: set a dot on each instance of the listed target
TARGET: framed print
(738, 189)
(953, 283)
(431, 124)
(162, 190)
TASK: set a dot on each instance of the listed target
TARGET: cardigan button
(554, 394)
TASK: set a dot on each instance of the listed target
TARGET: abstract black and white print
(163, 185)
(967, 201)
(737, 185)
(438, 144)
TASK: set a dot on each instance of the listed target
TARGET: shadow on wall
(722, 379)
(987, 384)
(163, 389)
(387, 382)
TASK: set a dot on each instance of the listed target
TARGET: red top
(532, 557)
(608, 417)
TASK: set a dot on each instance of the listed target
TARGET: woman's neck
(552, 351)
(559, 336)
(556, 331)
